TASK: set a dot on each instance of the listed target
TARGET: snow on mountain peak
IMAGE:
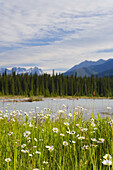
(20, 70)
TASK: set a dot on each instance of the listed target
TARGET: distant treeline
(55, 85)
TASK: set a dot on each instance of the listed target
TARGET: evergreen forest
(55, 85)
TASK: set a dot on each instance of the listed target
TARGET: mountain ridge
(87, 68)
(21, 70)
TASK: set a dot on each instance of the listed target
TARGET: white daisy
(8, 159)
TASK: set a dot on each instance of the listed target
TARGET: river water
(90, 105)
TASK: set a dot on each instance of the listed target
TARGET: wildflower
(82, 108)
(48, 115)
(37, 152)
(5, 116)
(48, 109)
(45, 109)
(64, 105)
(68, 132)
(101, 140)
(35, 169)
(109, 108)
(66, 123)
(30, 125)
(27, 133)
(93, 124)
(110, 123)
(51, 148)
(93, 145)
(30, 155)
(61, 111)
(35, 139)
(10, 133)
(34, 146)
(28, 138)
(93, 139)
(26, 113)
(81, 137)
(65, 143)
(72, 132)
(107, 162)
(45, 162)
(84, 129)
(23, 151)
(76, 113)
(13, 119)
(85, 147)
(77, 125)
(107, 157)
(41, 111)
(19, 114)
(47, 147)
(55, 130)
(45, 117)
(73, 142)
(23, 146)
(29, 141)
(70, 115)
(26, 151)
(8, 160)
(92, 120)
(62, 134)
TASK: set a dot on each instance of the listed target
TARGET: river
(90, 106)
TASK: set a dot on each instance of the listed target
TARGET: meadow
(64, 141)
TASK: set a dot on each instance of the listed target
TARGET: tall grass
(76, 143)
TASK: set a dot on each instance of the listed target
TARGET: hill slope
(101, 68)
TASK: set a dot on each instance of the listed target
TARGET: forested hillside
(55, 85)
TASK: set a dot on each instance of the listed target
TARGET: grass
(62, 141)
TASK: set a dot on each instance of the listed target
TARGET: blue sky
(55, 34)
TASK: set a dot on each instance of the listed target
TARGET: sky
(54, 34)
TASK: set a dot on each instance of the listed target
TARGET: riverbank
(11, 98)
(20, 98)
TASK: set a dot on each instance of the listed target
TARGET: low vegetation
(64, 141)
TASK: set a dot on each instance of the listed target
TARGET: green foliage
(47, 93)
(55, 85)
(62, 133)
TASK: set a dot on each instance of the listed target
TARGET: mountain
(19, 70)
(106, 73)
(87, 68)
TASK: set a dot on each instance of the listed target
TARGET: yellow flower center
(101, 140)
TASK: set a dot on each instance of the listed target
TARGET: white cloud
(55, 34)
